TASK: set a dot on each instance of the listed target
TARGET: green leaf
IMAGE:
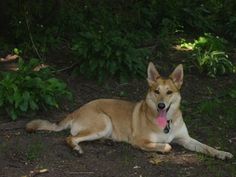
(232, 93)
(24, 106)
(33, 105)
(13, 114)
(17, 98)
(51, 101)
(25, 103)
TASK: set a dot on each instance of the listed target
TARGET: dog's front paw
(167, 148)
(224, 155)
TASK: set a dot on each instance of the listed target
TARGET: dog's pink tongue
(161, 120)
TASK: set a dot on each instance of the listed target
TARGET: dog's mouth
(161, 119)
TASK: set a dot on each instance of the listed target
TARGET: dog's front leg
(147, 145)
(194, 145)
(186, 141)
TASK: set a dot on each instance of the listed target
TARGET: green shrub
(210, 42)
(108, 54)
(206, 42)
(209, 56)
(109, 33)
(214, 63)
(27, 90)
(107, 44)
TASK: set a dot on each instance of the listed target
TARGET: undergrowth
(113, 39)
(209, 55)
(27, 90)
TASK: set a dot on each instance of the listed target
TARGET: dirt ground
(24, 154)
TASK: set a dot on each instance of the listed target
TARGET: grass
(3, 147)
(34, 151)
(217, 167)
(215, 119)
(127, 157)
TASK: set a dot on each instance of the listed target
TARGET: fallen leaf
(155, 161)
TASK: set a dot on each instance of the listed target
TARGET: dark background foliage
(111, 39)
(109, 34)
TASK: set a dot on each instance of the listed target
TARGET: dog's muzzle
(161, 106)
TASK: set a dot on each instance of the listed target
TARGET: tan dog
(150, 124)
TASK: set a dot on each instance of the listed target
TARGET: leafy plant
(205, 42)
(110, 34)
(214, 63)
(209, 56)
(186, 45)
(104, 54)
(28, 90)
(210, 42)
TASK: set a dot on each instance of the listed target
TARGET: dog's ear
(177, 76)
(153, 74)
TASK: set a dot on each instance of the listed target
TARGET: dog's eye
(169, 92)
(157, 91)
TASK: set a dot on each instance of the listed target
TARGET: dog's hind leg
(92, 132)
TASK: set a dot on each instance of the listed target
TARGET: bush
(206, 42)
(109, 33)
(105, 48)
(102, 55)
(27, 90)
(214, 63)
(210, 42)
(209, 56)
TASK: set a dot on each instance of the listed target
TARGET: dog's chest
(161, 137)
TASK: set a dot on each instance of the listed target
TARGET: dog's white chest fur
(161, 137)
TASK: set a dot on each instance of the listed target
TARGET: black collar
(167, 128)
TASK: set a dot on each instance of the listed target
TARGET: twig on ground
(36, 172)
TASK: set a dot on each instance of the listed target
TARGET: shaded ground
(22, 153)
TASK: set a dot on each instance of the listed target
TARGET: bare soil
(24, 154)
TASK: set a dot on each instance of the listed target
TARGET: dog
(150, 124)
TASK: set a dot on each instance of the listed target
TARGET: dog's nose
(161, 105)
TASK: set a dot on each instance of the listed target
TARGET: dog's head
(164, 93)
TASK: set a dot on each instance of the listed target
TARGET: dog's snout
(161, 105)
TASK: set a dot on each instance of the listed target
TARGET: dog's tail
(39, 124)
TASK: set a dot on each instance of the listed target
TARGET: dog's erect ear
(153, 74)
(177, 76)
